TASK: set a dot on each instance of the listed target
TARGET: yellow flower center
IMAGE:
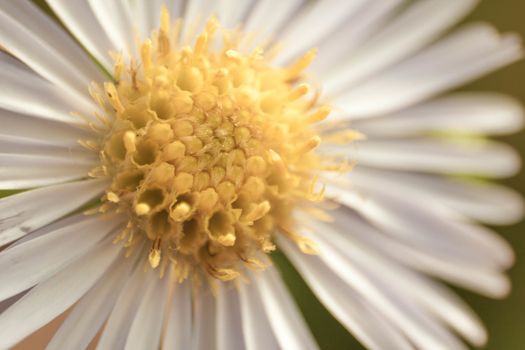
(209, 151)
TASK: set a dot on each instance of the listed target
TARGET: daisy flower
(171, 146)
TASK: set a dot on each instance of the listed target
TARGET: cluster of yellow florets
(208, 150)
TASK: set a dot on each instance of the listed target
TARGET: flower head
(217, 139)
(209, 151)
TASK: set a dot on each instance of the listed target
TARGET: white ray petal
(339, 47)
(285, 318)
(465, 267)
(26, 171)
(40, 130)
(116, 20)
(350, 308)
(318, 21)
(265, 23)
(418, 326)
(196, 13)
(18, 146)
(78, 17)
(464, 56)
(53, 296)
(178, 333)
(483, 201)
(229, 320)
(205, 310)
(421, 329)
(446, 305)
(119, 322)
(143, 14)
(38, 41)
(232, 13)
(88, 316)
(402, 282)
(255, 322)
(426, 227)
(4, 305)
(11, 61)
(56, 156)
(72, 219)
(147, 324)
(28, 211)
(31, 262)
(25, 92)
(472, 157)
(414, 28)
(146, 13)
(492, 284)
(472, 113)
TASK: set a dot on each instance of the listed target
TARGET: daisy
(171, 147)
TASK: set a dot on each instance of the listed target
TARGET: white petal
(178, 332)
(25, 92)
(472, 113)
(55, 295)
(402, 282)
(116, 20)
(265, 22)
(233, 12)
(492, 284)
(316, 22)
(196, 13)
(119, 322)
(464, 56)
(416, 324)
(229, 322)
(31, 262)
(433, 261)
(147, 324)
(25, 171)
(446, 305)
(39, 130)
(255, 322)
(472, 157)
(4, 305)
(18, 146)
(146, 13)
(339, 47)
(465, 257)
(28, 211)
(38, 41)
(483, 201)
(285, 318)
(417, 26)
(86, 318)
(11, 61)
(78, 17)
(205, 310)
(72, 219)
(350, 308)
(426, 227)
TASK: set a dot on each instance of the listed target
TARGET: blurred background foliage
(505, 319)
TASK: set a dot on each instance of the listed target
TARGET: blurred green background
(505, 319)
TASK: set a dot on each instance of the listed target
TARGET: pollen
(209, 151)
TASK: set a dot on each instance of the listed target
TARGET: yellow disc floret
(209, 151)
